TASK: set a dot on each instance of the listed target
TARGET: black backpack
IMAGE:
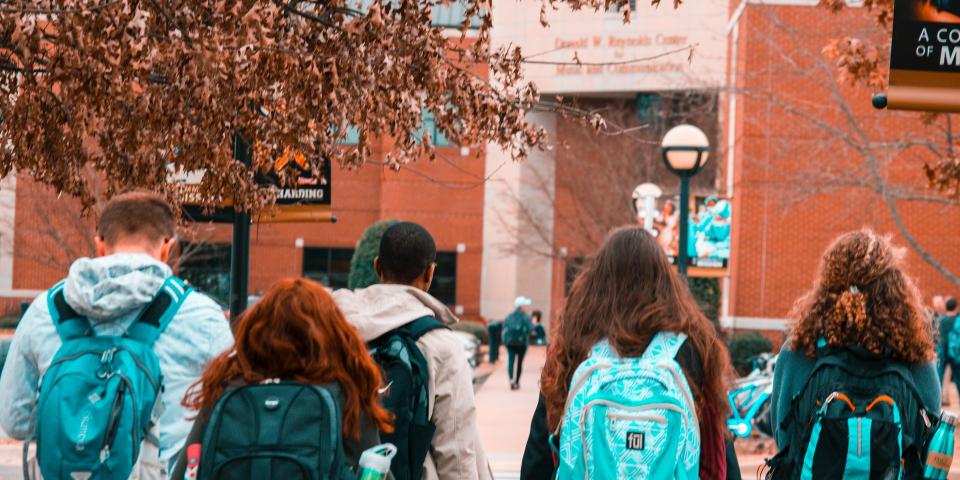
(405, 376)
(858, 416)
(280, 430)
(516, 330)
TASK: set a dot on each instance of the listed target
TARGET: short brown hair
(140, 214)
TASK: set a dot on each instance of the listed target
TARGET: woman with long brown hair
(627, 295)
(861, 331)
(297, 333)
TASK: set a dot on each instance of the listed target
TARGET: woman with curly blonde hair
(863, 318)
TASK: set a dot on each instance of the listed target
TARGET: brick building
(812, 159)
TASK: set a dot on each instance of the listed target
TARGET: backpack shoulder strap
(422, 326)
(664, 345)
(66, 320)
(160, 311)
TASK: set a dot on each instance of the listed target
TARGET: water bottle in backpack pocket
(98, 402)
(630, 418)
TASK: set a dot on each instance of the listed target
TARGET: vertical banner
(925, 56)
(709, 232)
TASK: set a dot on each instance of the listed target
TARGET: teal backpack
(516, 329)
(630, 418)
(98, 399)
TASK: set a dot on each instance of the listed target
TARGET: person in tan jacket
(405, 266)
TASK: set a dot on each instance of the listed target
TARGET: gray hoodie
(111, 291)
(456, 452)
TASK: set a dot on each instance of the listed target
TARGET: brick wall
(802, 171)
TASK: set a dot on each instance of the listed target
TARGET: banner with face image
(708, 233)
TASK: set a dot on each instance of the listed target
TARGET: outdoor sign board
(708, 236)
(308, 200)
(925, 56)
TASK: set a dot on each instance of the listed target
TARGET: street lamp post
(685, 149)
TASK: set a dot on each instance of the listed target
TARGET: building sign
(925, 56)
(708, 236)
(662, 48)
(306, 200)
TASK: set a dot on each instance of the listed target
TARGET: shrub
(707, 293)
(745, 345)
(477, 329)
(362, 274)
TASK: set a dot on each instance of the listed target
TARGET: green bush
(476, 329)
(9, 322)
(362, 274)
(707, 293)
(744, 345)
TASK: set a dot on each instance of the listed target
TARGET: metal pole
(240, 248)
(684, 223)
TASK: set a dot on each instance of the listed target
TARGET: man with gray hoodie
(405, 265)
(135, 234)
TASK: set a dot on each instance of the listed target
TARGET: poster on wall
(708, 235)
(925, 56)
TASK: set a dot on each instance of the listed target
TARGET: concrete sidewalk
(504, 415)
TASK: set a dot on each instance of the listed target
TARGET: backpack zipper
(111, 433)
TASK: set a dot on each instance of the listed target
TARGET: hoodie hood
(108, 288)
(377, 309)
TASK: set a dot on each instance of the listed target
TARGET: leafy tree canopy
(140, 88)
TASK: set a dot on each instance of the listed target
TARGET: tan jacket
(455, 453)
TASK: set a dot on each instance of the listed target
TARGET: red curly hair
(862, 297)
(296, 332)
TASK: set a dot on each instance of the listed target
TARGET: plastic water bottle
(375, 462)
(940, 452)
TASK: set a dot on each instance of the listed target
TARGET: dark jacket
(538, 463)
(352, 448)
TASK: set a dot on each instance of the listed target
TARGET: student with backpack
(950, 338)
(855, 392)
(428, 382)
(516, 336)
(634, 381)
(296, 398)
(112, 348)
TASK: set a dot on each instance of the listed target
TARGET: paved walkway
(504, 415)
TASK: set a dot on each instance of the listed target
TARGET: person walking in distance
(115, 345)
(428, 384)
(950, 328)
(516, 336)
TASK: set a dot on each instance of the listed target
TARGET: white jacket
(456, 453)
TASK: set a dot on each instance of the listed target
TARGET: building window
(206, 267)
(352, 137)
(451, 16)
(428, 128)
(444, 286)
(328, 266)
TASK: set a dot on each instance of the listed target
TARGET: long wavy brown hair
(862, 297)
(626, 294)
(296, 332)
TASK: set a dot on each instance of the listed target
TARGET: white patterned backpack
(630, 418)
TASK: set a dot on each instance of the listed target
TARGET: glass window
(444, 286)
(327, 266)
(428, 128)
(451, 15)
(206, 267)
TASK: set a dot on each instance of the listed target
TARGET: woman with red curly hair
(866, 313)
(296, 332)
